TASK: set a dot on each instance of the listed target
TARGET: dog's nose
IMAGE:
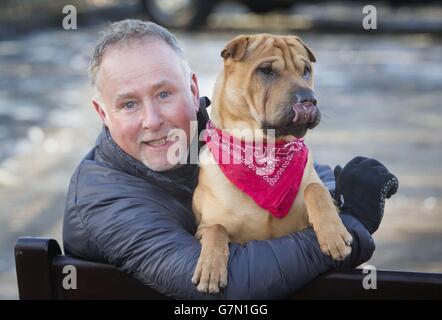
(303, 95)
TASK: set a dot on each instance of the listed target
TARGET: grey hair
(122, 32)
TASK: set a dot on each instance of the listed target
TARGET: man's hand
(361, 189)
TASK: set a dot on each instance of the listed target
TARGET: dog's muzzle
(305, 109)
(304, 113)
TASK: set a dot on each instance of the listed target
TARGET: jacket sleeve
(145, 239)
(325, 173)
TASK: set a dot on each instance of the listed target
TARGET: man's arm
(325, 173)
(142, 238)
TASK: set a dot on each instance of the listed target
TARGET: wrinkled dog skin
(266, 83)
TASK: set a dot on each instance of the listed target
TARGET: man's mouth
(157, 142)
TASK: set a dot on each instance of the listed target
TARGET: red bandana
(270, 175)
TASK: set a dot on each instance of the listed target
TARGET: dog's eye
(307, 72)
(267, 70)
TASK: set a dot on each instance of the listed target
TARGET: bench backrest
(40, 263)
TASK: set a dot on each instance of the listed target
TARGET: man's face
(145, 93)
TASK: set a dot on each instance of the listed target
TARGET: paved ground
(381, 96)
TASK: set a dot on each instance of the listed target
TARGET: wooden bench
(40, 263)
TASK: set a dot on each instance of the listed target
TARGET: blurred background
(380, 92)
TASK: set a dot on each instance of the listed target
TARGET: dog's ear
(236, 48)
(311, 56)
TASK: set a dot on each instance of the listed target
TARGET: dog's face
(269, 79)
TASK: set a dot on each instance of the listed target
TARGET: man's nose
(302, 95)
(152, 118)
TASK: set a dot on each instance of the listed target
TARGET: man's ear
(100, 111)
(195, 91)
(311, 56)
(236, 48)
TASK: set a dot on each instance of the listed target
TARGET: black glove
(361, 189)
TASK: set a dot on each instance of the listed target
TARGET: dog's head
(269, 79)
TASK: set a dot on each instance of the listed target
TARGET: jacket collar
(181, 180)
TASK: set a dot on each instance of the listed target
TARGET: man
(127, 205)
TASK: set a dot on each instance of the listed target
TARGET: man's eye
(164, 94)
(129, 105)
(307, 72)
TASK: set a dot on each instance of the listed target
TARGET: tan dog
(264, 77)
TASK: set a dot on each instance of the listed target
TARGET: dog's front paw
(211, 270)
(334, 240)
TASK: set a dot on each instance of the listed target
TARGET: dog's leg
(211, 270)
(333, 237)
